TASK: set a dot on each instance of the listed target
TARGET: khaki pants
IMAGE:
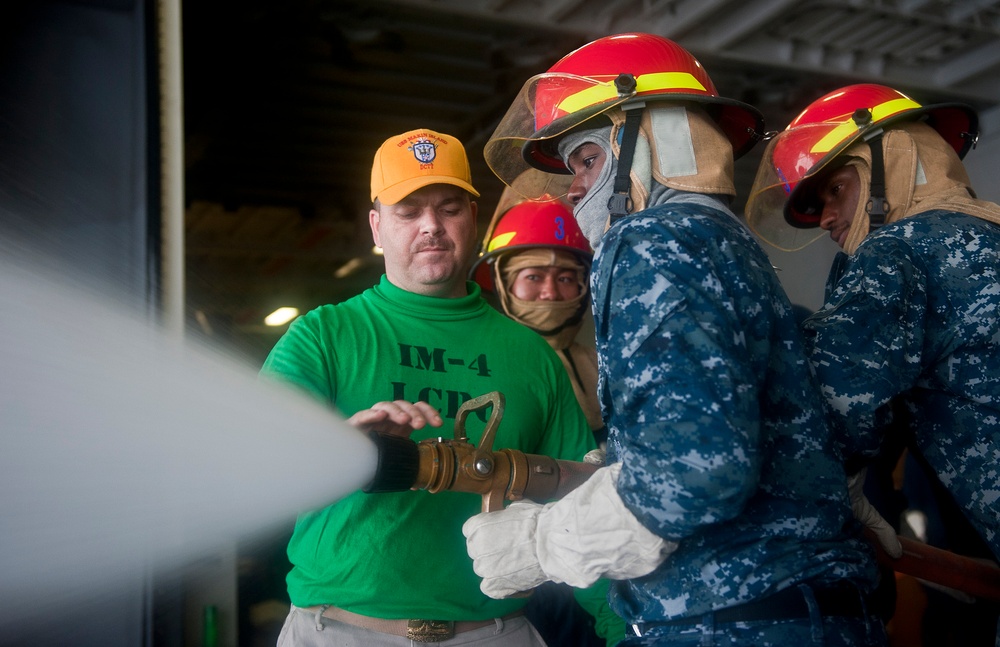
(305, 629)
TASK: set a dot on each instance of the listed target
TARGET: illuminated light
(377, 250)
(348, 268)
(202, 319)
(281, 316)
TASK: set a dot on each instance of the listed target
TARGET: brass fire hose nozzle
(442, 464)
(437, 464)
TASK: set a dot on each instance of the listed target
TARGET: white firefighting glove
(586, 535)
(866, 513)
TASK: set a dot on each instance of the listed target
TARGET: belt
(789, 604)
(417, 630)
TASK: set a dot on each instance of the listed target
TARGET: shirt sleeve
(298, 358)
(682, 384)
(866, 343)
(594, 600)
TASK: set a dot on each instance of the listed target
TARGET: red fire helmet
(526, 225)
(821, 133)
(582, 85)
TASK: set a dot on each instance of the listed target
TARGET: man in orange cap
(390, 568)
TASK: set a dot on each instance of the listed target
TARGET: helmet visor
(547, 107)
(784, 209)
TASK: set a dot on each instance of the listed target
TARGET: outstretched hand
(396, 418)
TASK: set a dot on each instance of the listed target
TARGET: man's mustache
(434, 243)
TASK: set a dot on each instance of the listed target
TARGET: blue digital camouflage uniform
(712, 410)
(915, 317)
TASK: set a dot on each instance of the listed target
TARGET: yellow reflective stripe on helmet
(606, 91)
(847, 128)
(500, 240)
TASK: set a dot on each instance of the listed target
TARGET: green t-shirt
(403, 555)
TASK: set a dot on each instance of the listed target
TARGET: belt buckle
(430, 631)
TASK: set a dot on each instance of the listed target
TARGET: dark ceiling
(285, 105)
(287, 100)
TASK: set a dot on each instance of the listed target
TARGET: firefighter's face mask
(591, 209)
(678, 147)
(557, 320)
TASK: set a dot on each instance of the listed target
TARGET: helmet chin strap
(620, 204)
(878, 206)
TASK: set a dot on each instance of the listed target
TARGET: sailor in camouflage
(908, 340)
(927, 293)
(907, 343)
(723, 514)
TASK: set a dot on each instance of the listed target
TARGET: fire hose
(437, 464)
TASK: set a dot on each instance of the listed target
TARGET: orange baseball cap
(415, 159)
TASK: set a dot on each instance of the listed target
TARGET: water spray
(124, 451)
